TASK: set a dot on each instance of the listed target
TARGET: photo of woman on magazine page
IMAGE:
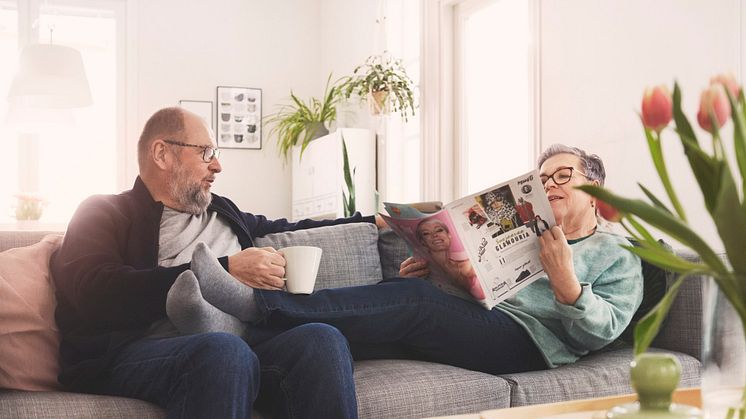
(435, 236)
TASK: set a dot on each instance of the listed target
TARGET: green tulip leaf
(647, 328)
(647, 237)
(730, 219)
(661, 257)
(661, 220)
(654, 144)
(705, 170)
(683, 127)
(653, 198)
(739, 136)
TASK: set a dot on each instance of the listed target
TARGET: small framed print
(202, 108)
(239, 119)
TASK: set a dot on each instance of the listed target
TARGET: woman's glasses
(561, 175)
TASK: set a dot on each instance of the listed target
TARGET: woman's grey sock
(220, 288)
(191, 314)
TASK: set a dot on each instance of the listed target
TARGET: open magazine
(484, 246)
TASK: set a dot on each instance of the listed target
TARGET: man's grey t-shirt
(180, 233)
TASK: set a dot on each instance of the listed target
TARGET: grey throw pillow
(393, 250)
(655, 285)
(350, 252)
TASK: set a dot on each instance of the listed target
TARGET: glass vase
(723, 356)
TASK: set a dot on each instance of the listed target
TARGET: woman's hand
(414, 267)
(556, 257)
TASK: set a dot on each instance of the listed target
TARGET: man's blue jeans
(304, 372)
(410, 317)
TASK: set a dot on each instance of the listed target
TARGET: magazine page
(428, 238)
(500, 228)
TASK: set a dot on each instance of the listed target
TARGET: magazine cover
(484, 246)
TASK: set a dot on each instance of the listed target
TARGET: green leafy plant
(299, 123)
(722, 198)
(348, 200)
(384, 82)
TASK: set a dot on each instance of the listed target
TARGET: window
(65, 155)
(493, 90)
(480, 72)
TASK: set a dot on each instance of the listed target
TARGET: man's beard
(191, 196)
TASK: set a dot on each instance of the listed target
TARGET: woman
(436, 238)
(591, 290)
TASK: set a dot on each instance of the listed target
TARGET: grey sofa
(403, 388)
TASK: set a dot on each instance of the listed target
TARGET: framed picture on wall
(203, 108)
(239, 119)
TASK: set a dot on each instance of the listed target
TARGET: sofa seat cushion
(54, 405)
(29, 337)
(350, 252)
(601, 374)
(414, 389)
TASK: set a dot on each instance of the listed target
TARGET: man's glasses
(561, 175)
(208, 152)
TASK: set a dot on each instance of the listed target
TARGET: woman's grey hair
(593, 166)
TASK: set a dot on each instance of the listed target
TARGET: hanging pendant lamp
(50, 76)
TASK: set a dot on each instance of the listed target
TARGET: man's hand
(258, 267)
(413, 267)
(556, 257)
(380, 222)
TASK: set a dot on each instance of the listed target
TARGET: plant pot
(29, 209)
(723, 356)
(378, 101)
(317, 130)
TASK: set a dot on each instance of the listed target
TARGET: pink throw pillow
(29, 338)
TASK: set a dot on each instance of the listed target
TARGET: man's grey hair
(592, 165)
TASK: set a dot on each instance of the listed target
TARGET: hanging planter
(383, 82)
(378, 102)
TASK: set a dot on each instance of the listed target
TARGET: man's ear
(159, 154)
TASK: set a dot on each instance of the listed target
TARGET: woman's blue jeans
(300, 373)
(408, 318)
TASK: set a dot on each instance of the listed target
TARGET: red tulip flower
(713, 102)
(729, 82)
(608, 212)
(657, 108)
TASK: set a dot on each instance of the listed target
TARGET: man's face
(191, 178)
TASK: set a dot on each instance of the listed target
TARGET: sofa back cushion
(29, 338)
(350, 253)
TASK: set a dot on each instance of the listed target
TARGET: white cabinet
(318, 180)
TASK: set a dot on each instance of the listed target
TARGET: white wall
(349, 34)
(184, 49)
(597, 57)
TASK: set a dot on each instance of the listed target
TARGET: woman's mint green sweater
(611, 280)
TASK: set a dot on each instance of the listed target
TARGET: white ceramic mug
(301, 268)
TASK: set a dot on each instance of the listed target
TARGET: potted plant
(723, 196)
(383, 81)
(299, 123)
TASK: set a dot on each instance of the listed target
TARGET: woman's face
(569, 205)
(435, 236)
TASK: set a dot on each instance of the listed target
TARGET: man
(122, 253)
